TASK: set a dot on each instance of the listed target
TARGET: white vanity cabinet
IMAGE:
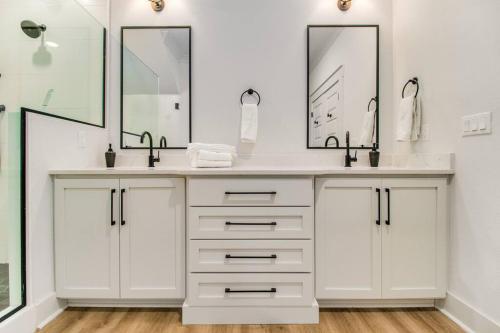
(381, 238)
(87, 238)
(120, 238)
(250, 251)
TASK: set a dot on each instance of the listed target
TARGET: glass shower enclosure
(52, 62)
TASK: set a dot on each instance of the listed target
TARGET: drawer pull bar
(273, 256)
(270, 223)
(229, 291)
(251, 193)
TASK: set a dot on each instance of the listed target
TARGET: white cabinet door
(348, 239)
(414, 238)
(87, 238)
(152, 238)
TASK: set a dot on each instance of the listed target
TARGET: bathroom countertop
(252, 171)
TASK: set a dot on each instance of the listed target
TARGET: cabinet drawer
(251, 222)
(250, 256)
(216, 191)
(250, 289)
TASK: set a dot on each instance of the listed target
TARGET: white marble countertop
(252, 171)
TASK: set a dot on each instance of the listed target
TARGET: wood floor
(169, 321)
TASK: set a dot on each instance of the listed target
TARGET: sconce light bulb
(157, 5)
(344, 5)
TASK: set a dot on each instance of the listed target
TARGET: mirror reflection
(156, 87)
(343, 86)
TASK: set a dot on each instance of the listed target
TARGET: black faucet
(152, 158)
(163, 142)
(348, 158)
(332, 137)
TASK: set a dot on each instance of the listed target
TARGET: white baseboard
(377, 303)
(48, 309)
(22, 322)
(466, 316)
(125, 303)
(250, 315)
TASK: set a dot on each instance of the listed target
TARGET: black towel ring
(374, 99)
(250, 92)
(413, 81)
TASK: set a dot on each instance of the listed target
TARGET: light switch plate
(476, 124)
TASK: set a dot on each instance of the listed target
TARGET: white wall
(52, 144)
(239, 44)
(453, 46)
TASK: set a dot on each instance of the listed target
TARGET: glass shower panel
(141, 89)
(10, 214)
(52, 60)
(61, 69)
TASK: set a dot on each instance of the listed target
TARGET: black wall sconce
(157, 5)
(344, 5)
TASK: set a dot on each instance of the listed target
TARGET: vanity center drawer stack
(250, 249)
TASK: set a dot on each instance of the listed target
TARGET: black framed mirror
(156, 86)
(342, 86)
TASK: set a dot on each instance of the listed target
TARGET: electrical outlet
(476, 124)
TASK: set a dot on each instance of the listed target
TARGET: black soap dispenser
(110, 157)
(374, 157)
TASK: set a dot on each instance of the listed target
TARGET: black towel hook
(250, 92)
(374, 99)
(413, 81)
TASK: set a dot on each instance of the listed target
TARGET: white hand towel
(214, 156)
(417, 121)
(367, 131)
(211, 164)
(249, 123)
(405, 119)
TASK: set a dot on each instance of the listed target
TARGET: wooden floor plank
(83, 320)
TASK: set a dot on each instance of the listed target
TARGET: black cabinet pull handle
(273, 256)
(113, 222)
(121, 208)
(388, 221)
(378, 194)
(251, 193)
(263, 224)
(229, 291)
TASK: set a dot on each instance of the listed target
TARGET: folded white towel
(211, 164)
(214, 156)
(249, 123)
(218, 148)
(368, 129)
(405, 119)
(203, 155)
